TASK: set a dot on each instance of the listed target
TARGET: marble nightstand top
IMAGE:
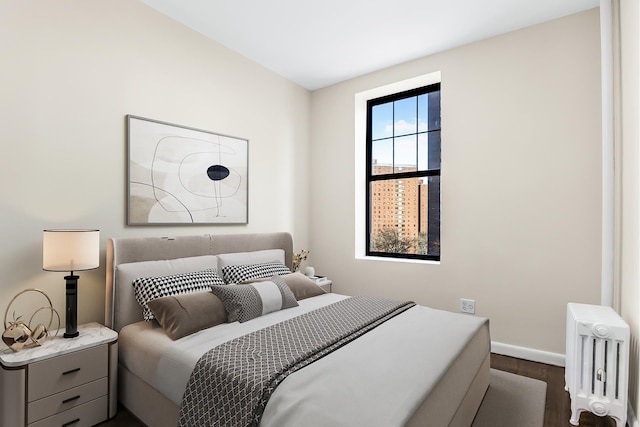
(91, 335)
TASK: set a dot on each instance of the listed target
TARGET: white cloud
(404, 127)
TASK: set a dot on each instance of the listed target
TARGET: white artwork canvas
(181, 175)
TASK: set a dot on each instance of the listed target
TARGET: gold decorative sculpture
(17, 334)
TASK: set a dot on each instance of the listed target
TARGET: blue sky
(400, 122)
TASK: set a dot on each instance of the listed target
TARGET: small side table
(324, 283)
(66, 381)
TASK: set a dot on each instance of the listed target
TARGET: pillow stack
(189, 302)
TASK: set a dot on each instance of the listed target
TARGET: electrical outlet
(468, 306)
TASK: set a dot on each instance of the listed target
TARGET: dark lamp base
(71, 310)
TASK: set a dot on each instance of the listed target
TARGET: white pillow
(127, 273)
(255, 257)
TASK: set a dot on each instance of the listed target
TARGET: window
(403, 161)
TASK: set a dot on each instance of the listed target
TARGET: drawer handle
(71, 371)
(70, 422)
(71, 399)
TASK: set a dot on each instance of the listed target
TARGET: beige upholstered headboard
(120, 305)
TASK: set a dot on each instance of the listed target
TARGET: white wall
(630, 188)
(521, 182)
(72, 70)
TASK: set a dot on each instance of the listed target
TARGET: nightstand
(65, 382)
(323, 282)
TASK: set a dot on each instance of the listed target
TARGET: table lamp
(71, 250)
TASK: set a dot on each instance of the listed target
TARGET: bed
(422, 367)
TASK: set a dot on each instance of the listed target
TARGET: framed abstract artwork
(182, 175)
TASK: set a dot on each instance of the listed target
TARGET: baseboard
(526, 353)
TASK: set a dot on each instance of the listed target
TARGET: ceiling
(322, 42)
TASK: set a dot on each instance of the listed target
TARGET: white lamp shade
(70, 250)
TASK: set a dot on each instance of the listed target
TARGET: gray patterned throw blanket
(231, 383)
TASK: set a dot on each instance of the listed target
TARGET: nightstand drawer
(66, 400)
(64, 372)
(89, 414)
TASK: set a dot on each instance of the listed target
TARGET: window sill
(390, 259)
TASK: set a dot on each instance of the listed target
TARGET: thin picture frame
(182, 175)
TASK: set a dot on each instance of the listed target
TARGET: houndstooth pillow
(150, 288)
(246, 302)
(245, 272)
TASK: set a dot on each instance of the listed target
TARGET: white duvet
(380, 379)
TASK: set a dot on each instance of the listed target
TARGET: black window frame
(370, 178)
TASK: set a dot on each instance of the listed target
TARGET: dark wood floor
(558, 406)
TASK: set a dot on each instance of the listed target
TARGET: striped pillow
(246, 302)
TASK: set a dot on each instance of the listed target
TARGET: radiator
(597, 362)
